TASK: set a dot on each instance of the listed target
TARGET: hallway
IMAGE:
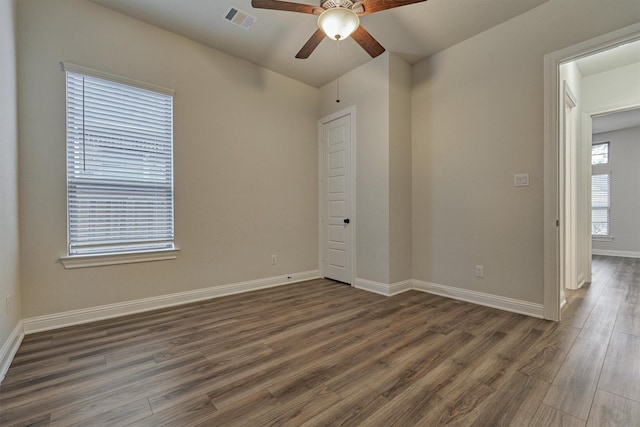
(599, 379)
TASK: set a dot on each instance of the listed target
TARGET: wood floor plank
(546, 416)
(602, 318)
(90, 385)
(226, 386)
(192, 411)
(458, 405)
(119, 396)
(621, 370)
(496, 370)
(324, 353)
(344, 360)
(614, 411)
(119, 416)
(573, 388)
(307, 372)
(238, 413)
(515, 404)
(579, 309)
(56, 366)
(458, 368)
(406, 409)
(397, 377)
(38, 421)
(299, 410)
(352, 410)
(543, 360)
(628, 320)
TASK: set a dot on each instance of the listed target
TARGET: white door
(336, 221)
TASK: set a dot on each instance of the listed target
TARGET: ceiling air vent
(239, 17)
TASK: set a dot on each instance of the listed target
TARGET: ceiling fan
(337, 19)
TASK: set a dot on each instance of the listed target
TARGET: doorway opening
(570, 105)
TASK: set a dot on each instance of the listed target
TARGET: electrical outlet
(274, 259)
(479, 270)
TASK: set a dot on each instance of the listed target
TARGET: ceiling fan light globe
(338, 23)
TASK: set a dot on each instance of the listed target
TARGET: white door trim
(587, 141)
(349, 111)
(568, 193)
(552, 63)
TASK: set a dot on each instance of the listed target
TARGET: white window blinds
(600, 205)
(119, 167)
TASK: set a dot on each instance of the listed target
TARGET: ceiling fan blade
(372, 6)
(368, 43)
(287, 6)
(311, 44)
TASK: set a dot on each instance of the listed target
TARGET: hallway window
(600, 153)
(600, 205)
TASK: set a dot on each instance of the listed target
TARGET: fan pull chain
(337, 68)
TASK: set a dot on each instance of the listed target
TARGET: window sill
(602, 238)
(83, 261)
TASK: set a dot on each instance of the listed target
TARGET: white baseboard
(481, 298)
(383, 288)
(9, 348)
(92, 314)
(624, 254)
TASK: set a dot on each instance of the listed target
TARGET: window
(600, 153)
(119, 165)
(600, 209)
(600, 191)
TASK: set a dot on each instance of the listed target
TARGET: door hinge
(557, 223)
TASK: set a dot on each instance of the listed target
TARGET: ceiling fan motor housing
(357, 6)
(329, 4)
(338, 22)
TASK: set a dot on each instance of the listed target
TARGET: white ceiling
(617, 57)
(414, 31)
(616, 121)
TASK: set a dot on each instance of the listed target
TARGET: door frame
(322, 200)
(567, 192)
(552, 179)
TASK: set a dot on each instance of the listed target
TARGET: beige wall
(399, 169)
(477, 117)
(367, 88)
(245, 153)
(9, 247)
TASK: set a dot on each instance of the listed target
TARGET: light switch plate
(521, 180)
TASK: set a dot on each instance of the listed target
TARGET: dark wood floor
(322, 353)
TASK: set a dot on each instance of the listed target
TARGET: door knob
(347, 220)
